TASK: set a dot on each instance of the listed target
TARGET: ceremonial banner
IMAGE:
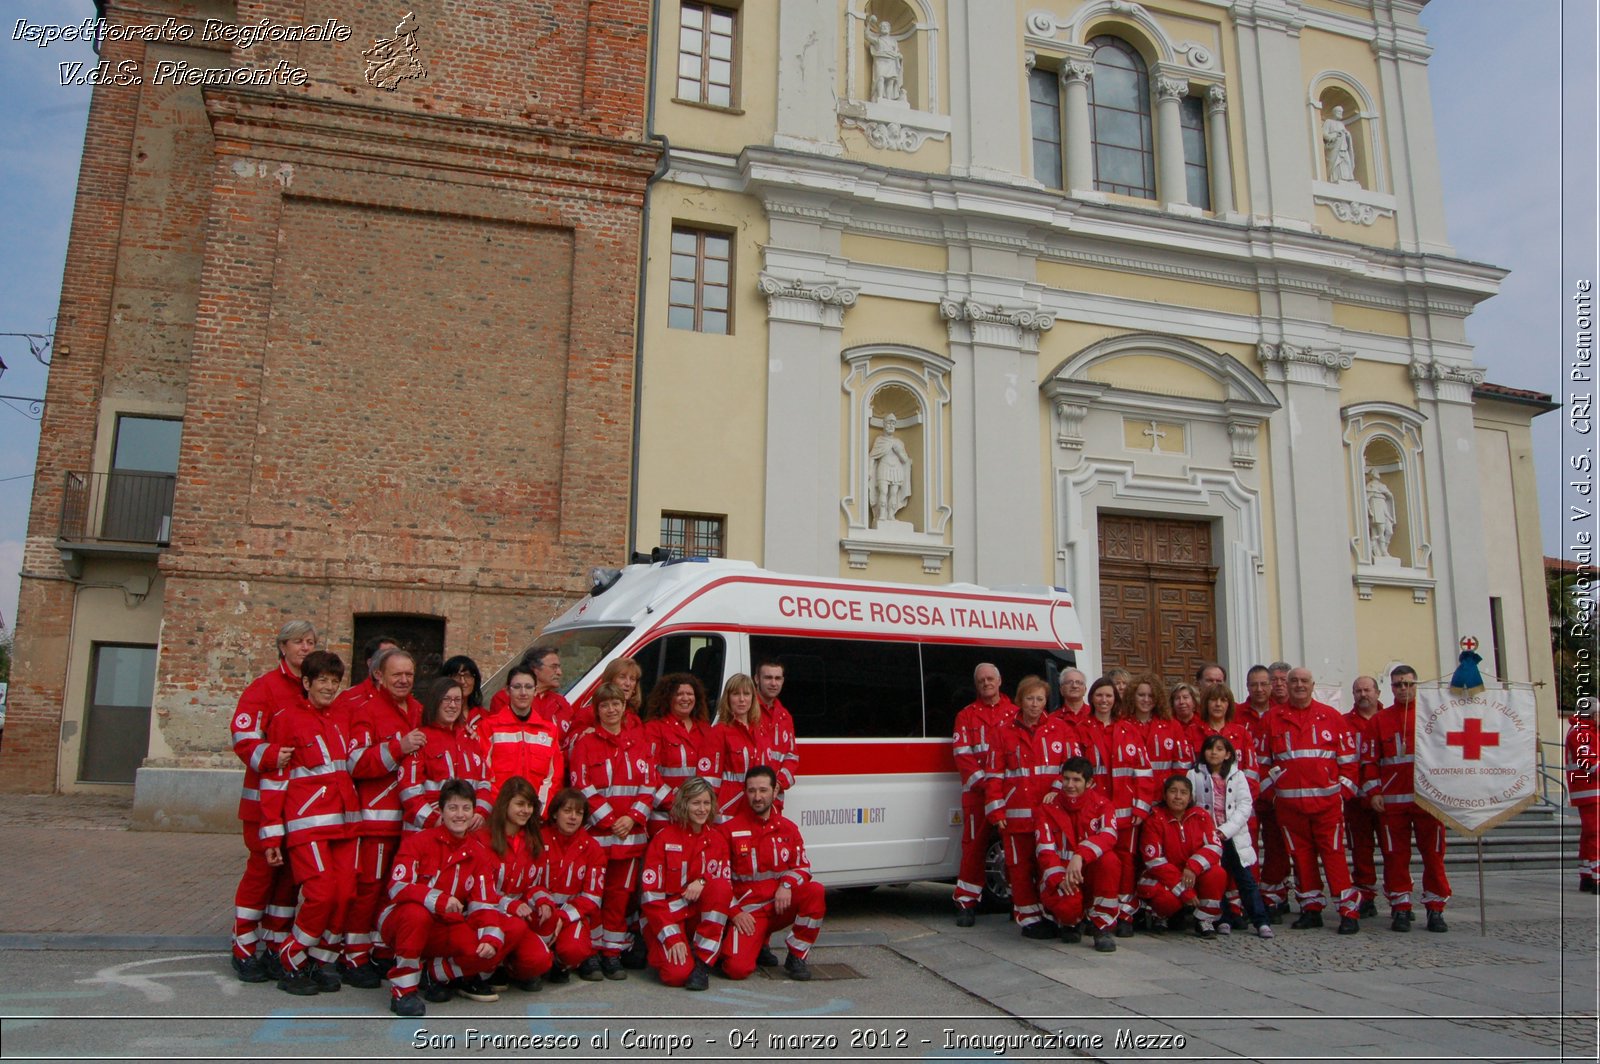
(1476, 755)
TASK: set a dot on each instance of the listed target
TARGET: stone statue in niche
(888, 65)
(891, 473)
(1340, 149)
(1380, 514)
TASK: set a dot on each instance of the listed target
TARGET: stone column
(1074, 76)
(998, 496)
(987, 138)
(1217, 160)
(1408, 137)
(805, 330)
(1273, 119)
(808, 71)
(1171, 188)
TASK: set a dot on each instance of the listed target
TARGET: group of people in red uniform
(1131, 806)
(451, 847)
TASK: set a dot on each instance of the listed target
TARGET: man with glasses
(1398, 813)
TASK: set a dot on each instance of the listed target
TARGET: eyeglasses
(450, 700)
(548, 665)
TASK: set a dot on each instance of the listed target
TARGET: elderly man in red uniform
(1311, 767)
(1583, 791)
(263, 904)
(975, 727)
(1074, 691)
(1273, 870)
(1389, 768)
(772, 884)
(384, 730)
(1360, 816)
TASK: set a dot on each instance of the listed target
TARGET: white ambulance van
(874, 676)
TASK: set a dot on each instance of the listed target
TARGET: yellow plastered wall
(1146, 288)
(755, 112)
(1371, 320)
(1393, 627)
(909, 254)
(1373, 382)
(701, 394)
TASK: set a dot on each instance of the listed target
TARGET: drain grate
(818, 971)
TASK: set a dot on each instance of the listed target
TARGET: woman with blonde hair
(746, 739)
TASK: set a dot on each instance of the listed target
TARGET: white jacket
(1236, 807)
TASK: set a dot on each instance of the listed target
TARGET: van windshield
(580, 649)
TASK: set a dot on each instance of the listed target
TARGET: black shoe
(362, 977)
(1124, 930)
(1104, 943)
(435, 991)
(300, 984)
(1178, 921)
(271, 964)
(1141, 920)
(1272, 915)
(326, 976)
(1306, 920)
(1368, 908)
(1349, 925)
(1586, 884)
(589, 970)
(557, 975)
(1040, 929)
(966, 916)
(797, 967)
(409, 1006)
(527, 986)
(766, 958)
(476, 989)
(700, 978)
(611, 967)
(1204, 930)
(1400, 921)
(499, 979)
(637, 957)
(381, 965)
(249, 969)
(1436, 923)
(1070, 933)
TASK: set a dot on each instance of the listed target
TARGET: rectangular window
(116, 727)
(848, 688)
(701, 280)
(1497, 635)
(1044, 108)
(1192, 119)
(705, 54)
(693, 535)
(139, 488)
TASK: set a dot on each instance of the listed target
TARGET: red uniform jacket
(785, 754)
(1121, 768)
(679, 753)
(618, 779)
(513, 873)
(1388, 761)
(448, 754)
(265, 695)
(314, 796)
(1365, 732)
(1086, 826)
(1168, 747)
(432, 866)
(1311, 758)
(570, 874)
(1171, 843)
(676, 858)
(740, 749)
(974, 730)
(529, 747)
(1023, 764)
(763, 856)
(1583, 761)
(376, 727)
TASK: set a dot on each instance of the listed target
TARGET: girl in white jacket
(1222, 790)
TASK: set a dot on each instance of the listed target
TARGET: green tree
(1572, 639)
(5, 657)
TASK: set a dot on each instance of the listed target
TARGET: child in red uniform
(512, 841)
(687, 890)
(1182, 859)
(1076, 840)
(568, 879)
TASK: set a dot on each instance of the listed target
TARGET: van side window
(702, 653)
(947, 676)
(847, 688)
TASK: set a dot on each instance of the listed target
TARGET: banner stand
(1483, 901)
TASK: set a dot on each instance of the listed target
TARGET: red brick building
(349, 338)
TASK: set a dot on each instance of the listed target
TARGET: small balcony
(120, 514)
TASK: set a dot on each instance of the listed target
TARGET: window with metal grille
(693, 535)
(702, 268)
(705, 54)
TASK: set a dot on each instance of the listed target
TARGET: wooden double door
(1158, 610)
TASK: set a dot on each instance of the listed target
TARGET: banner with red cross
(1476, 755)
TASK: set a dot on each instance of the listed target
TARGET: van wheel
(996, 884)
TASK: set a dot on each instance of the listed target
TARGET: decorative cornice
(1438, 371)
(1328, 357)
(828, 291)
(1028, 319)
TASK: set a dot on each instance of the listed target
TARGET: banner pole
(1483, 919)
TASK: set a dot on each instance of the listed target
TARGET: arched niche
(1387, 497)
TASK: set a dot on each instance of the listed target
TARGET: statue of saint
(1380, 514)
(1336, 142)
(888, 65)
(891, 473)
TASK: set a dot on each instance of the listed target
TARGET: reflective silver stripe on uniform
(305, 772)
(1309, 792)
(1398, 759)
(755, 877)
(1296, 755)
(325, 820)
(258, 753)
(250, 794)
(309, 802)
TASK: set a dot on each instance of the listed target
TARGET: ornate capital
(1216, 99)
(821, 302)
(1028, 319)
(1030, 59)
(1075, 70)
(1295, 364)
(1243, 435)
(1445, 383)
(1169, 88)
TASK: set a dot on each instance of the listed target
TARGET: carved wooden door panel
(1157, 595)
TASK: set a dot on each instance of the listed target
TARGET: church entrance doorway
(1157, 595)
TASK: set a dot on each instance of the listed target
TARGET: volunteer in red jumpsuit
(307, 808)
(1182, 859)
(384, 733)
(519, 740)
(1074, 689)
(512, 840)
(687, 890)
(1389, 772)
(746, 739)
(442, 918)
(263, 903)
(683, 743)
(1165, 741)
(1122, 774)
(975, 727)
(449, 752)
(1265, 689)
(1360, 816)
(568, 879)
(1025, 758)
(1583, 791)
(786, 758)
(1076, 842)
(772, 884)
(1310, 768)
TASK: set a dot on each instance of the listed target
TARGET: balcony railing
(117, 508)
